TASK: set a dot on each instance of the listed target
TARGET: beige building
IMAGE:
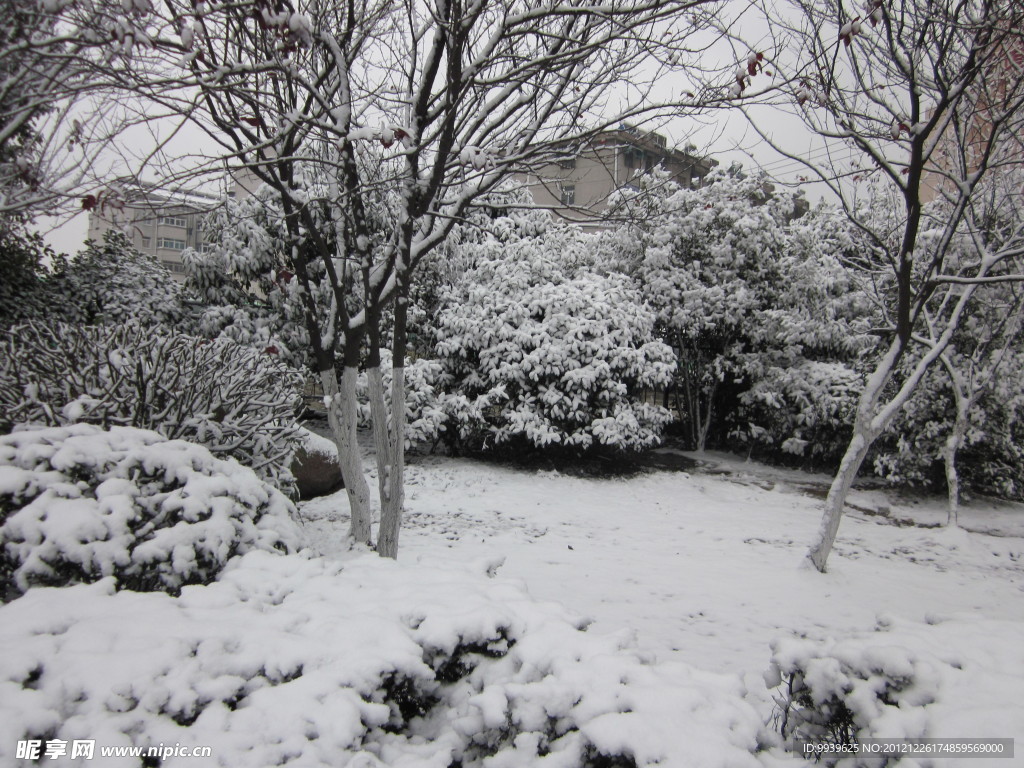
(157, 222)
(578, 187)
(164, 224)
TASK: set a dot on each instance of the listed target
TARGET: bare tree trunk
(953, 443)
(392, 468)
(342, 416)
(704, 424)
(866, 428)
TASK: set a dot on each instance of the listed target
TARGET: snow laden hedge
(766, 320)
(949, 678)
(242, 279)
(78, 504)
(235, 400)
(534, 356)
(424, 415)
(113, 283)
(370, 663)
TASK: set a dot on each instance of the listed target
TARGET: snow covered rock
(79, 503)
(370, 663)
(315, 466)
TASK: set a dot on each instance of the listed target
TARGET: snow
(690, 583)
(290, 658)
(80, 503)
(706, 568)
(318, 444)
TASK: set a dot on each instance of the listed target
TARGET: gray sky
(725, 136)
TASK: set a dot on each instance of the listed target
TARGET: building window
(170, 244)
(567, 163)
(568, 194)
(206, 248)
(146, 242)
(174, 266)
(173, 221)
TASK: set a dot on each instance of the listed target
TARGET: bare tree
(63, 98)
(973, 373)
(379, 124)
(925, 97)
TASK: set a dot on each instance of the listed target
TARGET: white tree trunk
(866, 428)
(379, 423)
(393, 474)
(835, 502)
(953, 443)
(342, 416)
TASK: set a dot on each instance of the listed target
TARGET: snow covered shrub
(424, 418)
(975, 399)
(748, 297)
(904, 680)
(494, 228)
(840, 692)
(22, 272)
(801, 410)
(532, 355)
(243, 280)
(363, 664)
(234, 400)
(112, 283)
(990, 456)
(79, 503)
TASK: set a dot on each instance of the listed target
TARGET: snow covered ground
(706, 567)
(692, 583)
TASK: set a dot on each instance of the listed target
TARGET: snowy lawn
(706, 568)
(693, 582)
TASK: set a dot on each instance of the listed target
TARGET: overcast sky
(725, 135)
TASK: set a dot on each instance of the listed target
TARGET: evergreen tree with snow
(760, 312)
(537, 354)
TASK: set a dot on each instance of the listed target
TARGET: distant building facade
(157, 222)
(987, 98)
(578, 187)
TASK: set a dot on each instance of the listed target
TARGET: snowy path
(706, 569)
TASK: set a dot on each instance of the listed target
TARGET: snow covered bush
(424, 417)
(235, 400)
(112, 283)
(838, 693)
(802, 409)
(904, 680)
(244, 281)
(990, 455)
(533, 355)
(750, 298)
(80, 503)
(23, 271)
(362, 664)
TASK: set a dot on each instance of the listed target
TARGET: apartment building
(578, 187)
(157, 222)
(962, 151)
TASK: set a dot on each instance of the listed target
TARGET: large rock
(316, 468)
